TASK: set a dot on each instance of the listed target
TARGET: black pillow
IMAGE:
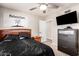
(24, 36)
(11, 37)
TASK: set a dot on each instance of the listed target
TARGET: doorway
(43, 30)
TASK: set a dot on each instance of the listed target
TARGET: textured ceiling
(26, 6)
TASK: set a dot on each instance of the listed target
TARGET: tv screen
(69, 18)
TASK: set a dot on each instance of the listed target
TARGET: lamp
(43, 7)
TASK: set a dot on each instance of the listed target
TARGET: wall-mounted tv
(68, 18)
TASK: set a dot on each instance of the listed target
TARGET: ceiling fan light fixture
(43, 7)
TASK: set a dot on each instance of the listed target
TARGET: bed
(18, 42)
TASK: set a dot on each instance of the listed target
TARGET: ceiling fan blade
(56, 6)
(53, 6)
(33, 8)
(44, 11)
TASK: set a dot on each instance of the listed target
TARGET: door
(42, 30)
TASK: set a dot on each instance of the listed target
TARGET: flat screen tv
(69, 18)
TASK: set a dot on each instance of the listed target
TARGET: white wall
(30, 21)
(1, 18)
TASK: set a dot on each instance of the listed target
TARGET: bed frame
(4, 32)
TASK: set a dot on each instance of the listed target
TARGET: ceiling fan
(45, 6)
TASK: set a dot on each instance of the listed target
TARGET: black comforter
(23, 46)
